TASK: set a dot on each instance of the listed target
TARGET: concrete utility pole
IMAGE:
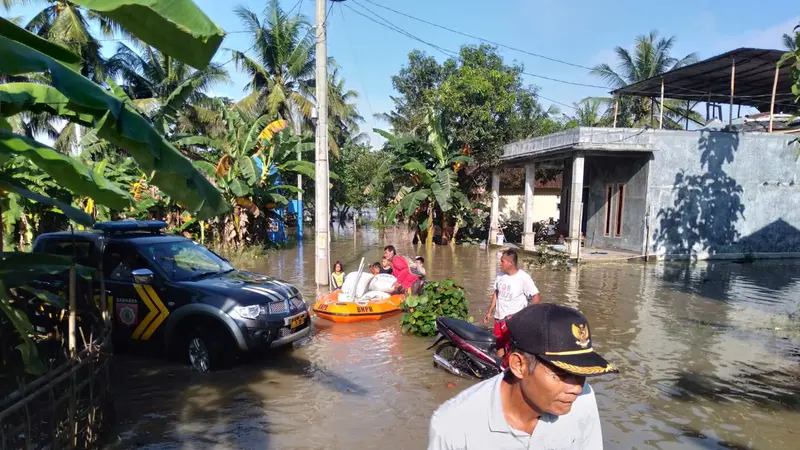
(321, 217)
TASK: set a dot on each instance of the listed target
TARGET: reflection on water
(700, 366)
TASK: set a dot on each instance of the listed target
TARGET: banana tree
(255, 159)
(427, 175)
(177, 28)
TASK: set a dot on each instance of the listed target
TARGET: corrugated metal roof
(710, 80)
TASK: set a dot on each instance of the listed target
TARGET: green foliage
(356, 165)
(483, 102)
(60, 81)
(116, 122)
(440, 298)
(792, 58)
(178, 27)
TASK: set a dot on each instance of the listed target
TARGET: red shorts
(501, 333)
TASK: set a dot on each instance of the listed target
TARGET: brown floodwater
(706, 362)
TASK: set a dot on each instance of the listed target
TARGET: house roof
(710, 80)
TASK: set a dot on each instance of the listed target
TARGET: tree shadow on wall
(706, 206)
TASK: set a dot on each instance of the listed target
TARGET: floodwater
(702, 363)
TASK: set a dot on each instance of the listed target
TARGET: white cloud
(770, 37)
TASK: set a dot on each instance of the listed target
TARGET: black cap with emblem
(558, 335)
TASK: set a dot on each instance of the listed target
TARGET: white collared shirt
(474, 420)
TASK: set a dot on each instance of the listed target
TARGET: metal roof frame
(750, 71)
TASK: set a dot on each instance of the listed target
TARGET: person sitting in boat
(338, 275)
(375, 268)
(418, 268)
(386, 265)
(407, 282)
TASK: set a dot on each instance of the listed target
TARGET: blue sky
(579, 31)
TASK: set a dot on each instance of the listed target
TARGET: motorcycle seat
(467, 330)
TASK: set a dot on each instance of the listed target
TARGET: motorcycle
(469, 351)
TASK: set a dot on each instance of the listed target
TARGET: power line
(294, 7)
(358, 70)
(449, 52)
(573, 83)
(396, 29)
(478, 37)
(556, 101)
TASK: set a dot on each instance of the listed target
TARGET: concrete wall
(631, 172)
(545, 204)
(717, 195)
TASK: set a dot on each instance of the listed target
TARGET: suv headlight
(249, 312)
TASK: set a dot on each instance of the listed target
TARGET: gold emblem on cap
(581, 333)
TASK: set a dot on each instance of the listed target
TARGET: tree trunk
(429, 240)
(455, 231)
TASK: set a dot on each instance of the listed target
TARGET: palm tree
(343, 113)
(67, 24)
(282, 71)
(593, 112)
(650, 58)
(790, 42)
(163, 88)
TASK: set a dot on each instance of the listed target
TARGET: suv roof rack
(130, 226)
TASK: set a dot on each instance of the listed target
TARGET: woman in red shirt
(407, 282)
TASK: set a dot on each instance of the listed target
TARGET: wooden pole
(73, 306)
(661, 113)
(772, 103)
(616, 110)
(688, 108)
(733, 85)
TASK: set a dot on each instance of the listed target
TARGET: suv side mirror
(143, 276)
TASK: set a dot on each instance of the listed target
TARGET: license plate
(297, 321)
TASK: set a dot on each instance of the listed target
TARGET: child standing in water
(338, 275)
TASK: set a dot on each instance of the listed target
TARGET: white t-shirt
(474, 420)
(514, 292)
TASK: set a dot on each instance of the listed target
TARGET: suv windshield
(185, 260)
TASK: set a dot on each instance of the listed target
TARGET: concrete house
(676, 194)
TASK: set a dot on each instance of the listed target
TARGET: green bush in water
(440, 298)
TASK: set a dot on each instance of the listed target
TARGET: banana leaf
(18, 268)
(443, 189)
(207, 168)
(248, 169)
(73, 213)
(253, 135)
(45, 296)
(412, 201)
(68, 172)
(176, 27)
(305, 168)
(122, 126)
(55, 51)
(27, 349)
(40, 98)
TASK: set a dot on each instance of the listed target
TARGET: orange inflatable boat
(329, 307)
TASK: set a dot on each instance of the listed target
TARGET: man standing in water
(407, 282)
(514, 289)
(541, 401)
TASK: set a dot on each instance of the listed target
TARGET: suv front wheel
(203, 349)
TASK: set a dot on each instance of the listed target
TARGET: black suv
(167, 292)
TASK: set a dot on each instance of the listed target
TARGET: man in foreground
(514, 289)
(541, 401)
(407, 282)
